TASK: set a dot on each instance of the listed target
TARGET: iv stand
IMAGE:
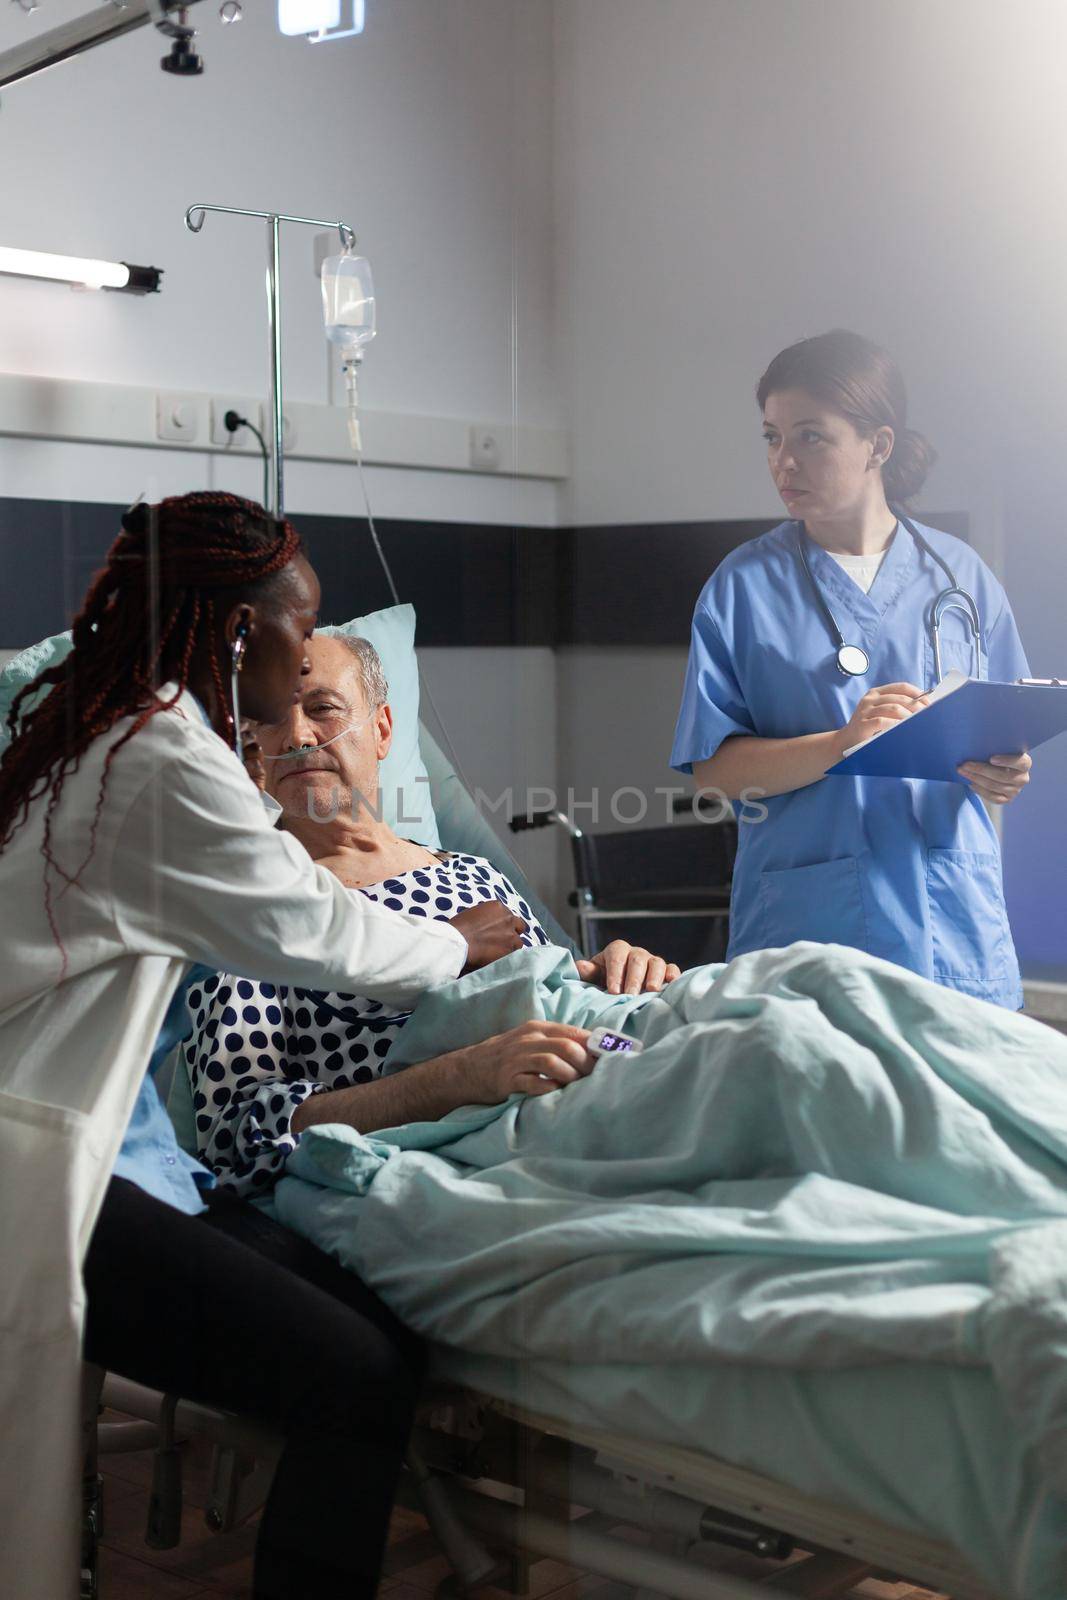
(194, 221)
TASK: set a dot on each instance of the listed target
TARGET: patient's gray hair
(371, 671)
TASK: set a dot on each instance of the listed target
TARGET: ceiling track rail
(73, 38)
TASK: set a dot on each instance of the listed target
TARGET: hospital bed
(506, 1481)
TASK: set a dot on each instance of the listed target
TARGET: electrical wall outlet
(244, 439)
(177, 418)
(241, 438)
(484, 448)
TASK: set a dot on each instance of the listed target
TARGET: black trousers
(231, 1309)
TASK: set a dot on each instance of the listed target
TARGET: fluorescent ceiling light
(320, 19)
(82, 270)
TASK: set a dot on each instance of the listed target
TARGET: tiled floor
(208, 1566)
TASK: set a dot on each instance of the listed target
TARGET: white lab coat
(185, 867)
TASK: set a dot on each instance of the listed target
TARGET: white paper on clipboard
(949, 684)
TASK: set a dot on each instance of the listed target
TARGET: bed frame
(503, 1487)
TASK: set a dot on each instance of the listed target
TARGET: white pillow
(405, 795)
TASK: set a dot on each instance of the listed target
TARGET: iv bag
(348, 301)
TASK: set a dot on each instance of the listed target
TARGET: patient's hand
(491, 931)
(534, 1058)
(623, 968)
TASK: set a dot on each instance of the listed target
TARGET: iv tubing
(423, 681)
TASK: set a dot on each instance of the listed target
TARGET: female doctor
(822, 632)
(131, 844)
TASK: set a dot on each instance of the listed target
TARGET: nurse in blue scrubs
(817, 635)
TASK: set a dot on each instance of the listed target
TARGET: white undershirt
(861, 569)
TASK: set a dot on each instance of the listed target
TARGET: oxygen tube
(306, 749)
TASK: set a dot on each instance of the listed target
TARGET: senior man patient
(265, 1061)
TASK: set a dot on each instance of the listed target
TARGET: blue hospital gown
(257, 1050)
(906, 869)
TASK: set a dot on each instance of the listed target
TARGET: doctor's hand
(999, 779)
(534, 1058)
(623, 968)
(878, 710)
(491, 931)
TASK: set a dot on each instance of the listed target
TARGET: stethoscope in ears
(852, 659)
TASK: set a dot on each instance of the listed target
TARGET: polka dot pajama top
(258, 1050)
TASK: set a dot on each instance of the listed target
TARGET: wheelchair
(666, 888)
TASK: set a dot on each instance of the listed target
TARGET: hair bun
(905, 472)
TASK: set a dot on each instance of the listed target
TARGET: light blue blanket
(819, 1162)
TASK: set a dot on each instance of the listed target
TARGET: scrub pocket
(956, 654)
(968, 917)
(823, 902)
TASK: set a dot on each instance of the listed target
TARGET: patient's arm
(258, 1056)
(532, 1059)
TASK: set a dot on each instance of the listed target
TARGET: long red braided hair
(148, 613)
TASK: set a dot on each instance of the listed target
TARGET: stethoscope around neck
(852, 660)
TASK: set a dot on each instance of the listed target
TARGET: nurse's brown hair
(172, 575)
(860, 380)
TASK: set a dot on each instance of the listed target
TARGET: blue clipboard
(971, 722)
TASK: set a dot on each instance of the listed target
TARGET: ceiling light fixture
(320, 20)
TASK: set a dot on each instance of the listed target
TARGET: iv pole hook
(194, 221)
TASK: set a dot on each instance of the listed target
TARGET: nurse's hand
(623, 968)
(880, 709)
(999, 779)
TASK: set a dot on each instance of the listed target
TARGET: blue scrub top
(151, 1156)
(906, 869)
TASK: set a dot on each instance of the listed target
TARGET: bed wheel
(92, 1521)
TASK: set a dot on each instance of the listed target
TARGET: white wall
(733, 176)
(499, 707)
(431, 134)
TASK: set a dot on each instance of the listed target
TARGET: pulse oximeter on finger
(603, 1042)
